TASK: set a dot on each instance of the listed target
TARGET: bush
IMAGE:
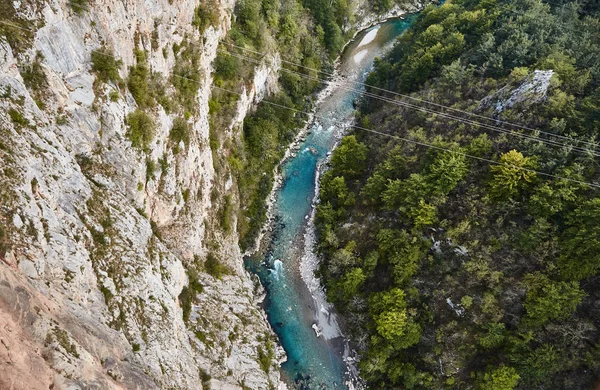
(213, 266)
(33, 74)
(79, 6)
(141, 129)
(187, 75)
(17, 117)
(137, 82)
(206, 15)
(106, 66)
(180, 131)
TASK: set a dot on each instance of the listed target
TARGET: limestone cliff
(95, 237)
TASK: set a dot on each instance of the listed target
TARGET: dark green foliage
(214, 267)
(79, 6)
(106, 66)
(180, 132)
(188, 293)
(453, 272)
(138, 80)
(17, 118)
(33, 74)
(186, 76)
(141, 129)
(35, 79)
(3, 241)
(17, 31)
(580, 257)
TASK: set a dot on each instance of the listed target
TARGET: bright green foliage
(513, 174)
(501, 378)
(106, 66)
(548, 300)
(353, 281)
(141, 129)
(391, 319)
(446, 171)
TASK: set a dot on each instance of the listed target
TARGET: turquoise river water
(295, 303)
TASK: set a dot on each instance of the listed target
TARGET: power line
(421, 100)
(420, 143)
(393, 136)
(431, 111)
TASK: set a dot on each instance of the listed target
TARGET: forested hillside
(473, 264)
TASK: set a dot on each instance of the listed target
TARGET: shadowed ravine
(295, 301)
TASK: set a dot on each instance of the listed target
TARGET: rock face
(531, 90)
(96, 238)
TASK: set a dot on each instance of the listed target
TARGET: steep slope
(460, 236)
(97, 233)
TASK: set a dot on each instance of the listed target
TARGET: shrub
(187, 75)
(113, 96)
(180, 131)
(213, 266)
(79, 6)
(106, 66)
(33, 74)
(205, 15)
(137, 82)
(17, 117)
(141, 129)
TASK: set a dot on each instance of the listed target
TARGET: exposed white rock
(531, 90)
(97, 292)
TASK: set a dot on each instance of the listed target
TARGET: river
(295, 302)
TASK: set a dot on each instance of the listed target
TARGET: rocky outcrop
(532, 89)
(98, 234)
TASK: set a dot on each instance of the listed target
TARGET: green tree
(352, 282)
(511, 175)
(501, 378)
(548, 300)
(349, 158)
(106, 66)
(580, 242)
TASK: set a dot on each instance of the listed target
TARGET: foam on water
(358, 57)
